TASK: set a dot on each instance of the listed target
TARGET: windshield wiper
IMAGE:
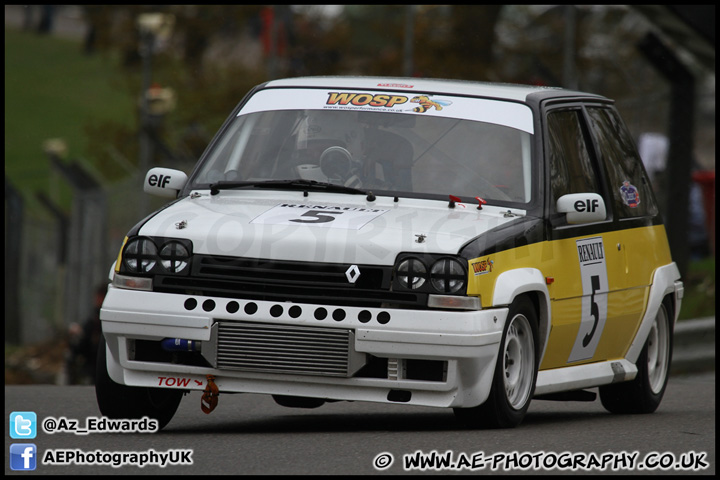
(296, 184)
(222, 185)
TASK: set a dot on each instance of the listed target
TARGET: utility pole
(153, 26)
(569, 73)
(408, 64)
(147, 41)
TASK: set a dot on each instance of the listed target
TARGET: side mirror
(582, 207)
(164, 182)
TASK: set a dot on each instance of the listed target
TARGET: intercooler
(287, 349)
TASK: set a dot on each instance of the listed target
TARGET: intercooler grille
(290, 349)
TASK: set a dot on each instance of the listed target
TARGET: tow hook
(209, 399)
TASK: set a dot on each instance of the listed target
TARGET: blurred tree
(529, 49)
(316, 44)
(456, 41)
(370, 39)
(449, 40)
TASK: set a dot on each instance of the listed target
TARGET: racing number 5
(594, 309)
(316, 216)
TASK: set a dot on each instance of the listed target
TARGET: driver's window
(571, 168)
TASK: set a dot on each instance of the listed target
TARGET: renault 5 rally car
(403, 241)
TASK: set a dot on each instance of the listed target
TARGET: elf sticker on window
(593, 272)
(327, 216)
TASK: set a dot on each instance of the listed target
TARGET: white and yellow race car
(408, 241)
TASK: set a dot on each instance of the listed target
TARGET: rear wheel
(121, 401)
(645, 392)
(515, 373)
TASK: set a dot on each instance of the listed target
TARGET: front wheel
(515, 373)
(121, 401)
(645, 392)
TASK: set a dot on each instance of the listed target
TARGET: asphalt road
(250, 434)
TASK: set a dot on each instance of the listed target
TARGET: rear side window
(631, 189)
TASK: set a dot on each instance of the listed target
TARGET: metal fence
(56, 262)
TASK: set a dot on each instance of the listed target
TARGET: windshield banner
(510, 114)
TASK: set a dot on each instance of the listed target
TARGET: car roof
(506, 91)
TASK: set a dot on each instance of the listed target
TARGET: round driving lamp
(411, 273)
(447, 275)
(174, 257)
(140, 255)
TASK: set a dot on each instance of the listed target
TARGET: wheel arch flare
(530, 282)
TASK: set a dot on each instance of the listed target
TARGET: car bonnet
(322, 227)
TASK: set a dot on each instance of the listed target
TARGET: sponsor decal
(630, 194)
(365, 99)
(482, 267)
(590, 252)
(177, 382)
(589, 205)
(395, 85)
(159, 180)
(425, 103)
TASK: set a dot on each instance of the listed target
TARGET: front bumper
(465, 342)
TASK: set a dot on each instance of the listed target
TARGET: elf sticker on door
(327, 216)
(593, 273)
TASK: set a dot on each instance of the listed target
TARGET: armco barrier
(694, 346)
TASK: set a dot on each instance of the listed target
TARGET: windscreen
(417, 145)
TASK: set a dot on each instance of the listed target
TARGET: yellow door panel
(563, 332)
(625, 310)
(646, 248)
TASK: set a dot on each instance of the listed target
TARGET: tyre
(121, 401)
(515, 373)
(645, 392)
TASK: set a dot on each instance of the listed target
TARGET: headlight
(140, 255)
(411, 273)
(145, 255)
(430, 273)
(174, 257)
(447, 275)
